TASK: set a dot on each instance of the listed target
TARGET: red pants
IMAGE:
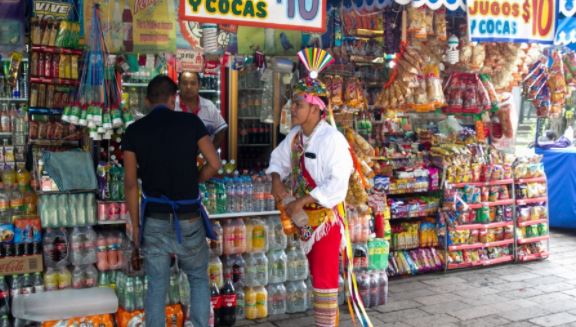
(324, 261)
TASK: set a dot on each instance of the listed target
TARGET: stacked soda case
(532, 235)
(67, 210)
(14, 286)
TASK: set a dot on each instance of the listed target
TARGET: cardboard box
(20, 265)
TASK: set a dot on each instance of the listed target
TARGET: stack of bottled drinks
(12, 287)
(68, 210)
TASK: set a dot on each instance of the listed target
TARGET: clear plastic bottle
(76, 248)
(277, 266)
(277, 239)
(240, 301)
(296, 297)
(238, 269)
(90, 209)
(251, 270)
(80, 211)
(374, 290)
(261, 262)
(250, 308)
(231, 195)
(249, 228)
(5, 212)
(258, 195)
(216, 270)
(261, 302)
(217, 246)
(229, 236)
(259, 236)
(297, 264)
(270, 202)
(276, 299)
(240, 201)
(63, 210)
(239, 236)
(91, 276)
(221, 199)
(248, 194)
(382, 288)
(310, 294)
(364, 288)
(78, 277)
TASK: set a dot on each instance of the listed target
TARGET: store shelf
(491, 204)
(532, 222)
(59, 81)
(64, 192)
(112, 222)
(490, 183)
(535, 256)
(480, 245)
(56, 50)
(483, 226)
(415, 215)
(243, 214)
(522, 202)
(55, 142)
(14, 99)
(45, 111)
(490, 262)
(401, 192)
(531, 180)
(392, 158)
(533, 239)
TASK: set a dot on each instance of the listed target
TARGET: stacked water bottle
(269, 275)
(238, 193)
(12, 287)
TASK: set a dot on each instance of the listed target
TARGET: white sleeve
(280, 161)
(337, 167)
(216, 118)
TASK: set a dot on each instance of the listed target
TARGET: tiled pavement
(540, 293)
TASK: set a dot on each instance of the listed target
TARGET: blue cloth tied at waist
(175, 205)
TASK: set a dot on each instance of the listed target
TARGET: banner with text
(512, 20)
(154, 28)
(301, 15)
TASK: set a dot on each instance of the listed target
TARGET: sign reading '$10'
(512, 20)
(302, 15)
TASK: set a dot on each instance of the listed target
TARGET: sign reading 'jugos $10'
(302, 15)
(512, 20)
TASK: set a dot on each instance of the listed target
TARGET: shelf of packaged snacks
(14, 99)
(416, 215)
(532, 222)
(112, 222)
(483, 226)
(243, 214)
(392, 158)
(473, 206)
(45, 111)
(409, 191)
(59, 81)
(480, 245)
(531, 180)
(503, 259)
(490, 183)
(49, 49)
(533, 239)
(522, 202)
(54, 142)
(534, 256)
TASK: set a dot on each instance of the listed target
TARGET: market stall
(425, 92)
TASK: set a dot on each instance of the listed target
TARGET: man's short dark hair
(160, 89)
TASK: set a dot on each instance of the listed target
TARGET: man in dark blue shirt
(161, 149)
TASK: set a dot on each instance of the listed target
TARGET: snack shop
(434, 97)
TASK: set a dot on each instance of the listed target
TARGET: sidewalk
(541, 293)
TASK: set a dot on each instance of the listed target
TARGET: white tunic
(209, 114)
(331, 169)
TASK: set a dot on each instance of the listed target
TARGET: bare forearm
(133, 207)
(219, 139)
(207, 172)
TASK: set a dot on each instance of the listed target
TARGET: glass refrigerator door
(251, 118)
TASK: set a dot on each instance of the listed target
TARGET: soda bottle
(217, 246)
(15, 286)
(278, 266)
(229, 236)
(261, 302)
(50, 279)
(239, 236)
(276, 299)
(250, 303)
(216, 301)
(211, 317)
(90, 276)
(37, 283)
(261, 262)
(382, 288)
(374, 290)
(240, 301)
(4, 297)
(78, 277)
(364, 288)
(138, 293)
(228, 308)
(215, 270)
(129, 299)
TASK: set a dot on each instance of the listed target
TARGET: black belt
(168, 216)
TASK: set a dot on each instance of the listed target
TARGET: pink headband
(314, 100)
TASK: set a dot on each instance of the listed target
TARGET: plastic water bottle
(277, 266)
(239, 236)
(62, 210)
(270, 202)
(248, 194)
(89, 205)
(250, 269)
(296, 297)
(237, 180)
(139, 293)
(221, 200)
(231, 196)
(240, 301)
(276, 299)
(129, 300)
(261, 262)
(374, 290)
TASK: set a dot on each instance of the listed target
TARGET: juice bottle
(215, 270)
(287, 224)
(249, 240)
(239, 236)
(250, 308)
(229, 236)
(259, 236)
(261, 302)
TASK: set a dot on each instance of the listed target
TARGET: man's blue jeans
(158, 245)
